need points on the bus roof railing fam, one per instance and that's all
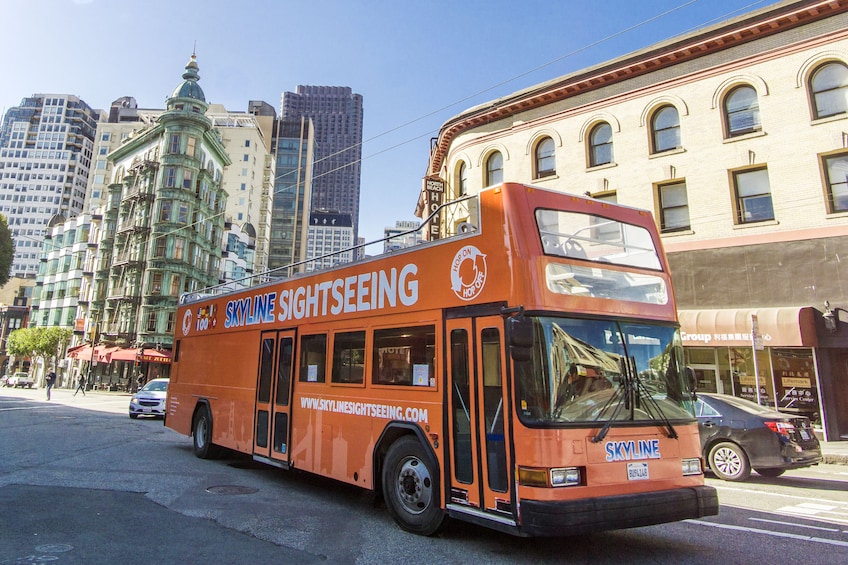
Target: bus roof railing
(269, 276)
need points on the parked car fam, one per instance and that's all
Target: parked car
(738, 435)
(150, 399)
(20, 380)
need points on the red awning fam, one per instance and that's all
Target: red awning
(155, 356)
(104, 354)
(127, 354)
(80, 352)
(148, 355)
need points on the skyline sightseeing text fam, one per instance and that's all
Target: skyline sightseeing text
(374, 290)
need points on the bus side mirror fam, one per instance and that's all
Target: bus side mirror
(690, 382)
(520, 338)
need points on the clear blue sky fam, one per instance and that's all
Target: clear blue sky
(416, 63)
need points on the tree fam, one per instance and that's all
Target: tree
(47, 343)
(52, 343)
(7, 250)
(21, 343)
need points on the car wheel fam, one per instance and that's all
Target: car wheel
(202, 433)
(133, 415)
(411, 489)
(729, 462)
(770, 472)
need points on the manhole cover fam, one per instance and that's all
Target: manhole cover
(54, 548)
(231, 489)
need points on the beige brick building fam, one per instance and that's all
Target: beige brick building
(736, 138)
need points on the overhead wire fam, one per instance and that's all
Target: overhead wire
(478, 93)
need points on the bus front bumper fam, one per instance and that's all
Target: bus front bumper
(548, 519)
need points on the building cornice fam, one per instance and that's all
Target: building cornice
(729, 34)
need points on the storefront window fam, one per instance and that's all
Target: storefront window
(796, 383)
(745, 384)
(702, 361)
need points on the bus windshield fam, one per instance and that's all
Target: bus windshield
(600, 242)
(588, 371)
(595, 238)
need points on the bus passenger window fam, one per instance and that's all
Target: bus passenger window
(349, 357)
(404, 356)
(313, 358)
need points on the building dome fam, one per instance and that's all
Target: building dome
(189, 87)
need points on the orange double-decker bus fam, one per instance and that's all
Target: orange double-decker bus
(523, 372)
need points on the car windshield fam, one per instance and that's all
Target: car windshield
(156, 386)
(587, 371)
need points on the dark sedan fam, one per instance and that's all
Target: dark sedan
(738, 435)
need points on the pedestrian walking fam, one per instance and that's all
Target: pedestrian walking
(50, 381)
(80, 385)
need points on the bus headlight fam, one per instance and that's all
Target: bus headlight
(567, 477)
(541, 477)
(692, 466)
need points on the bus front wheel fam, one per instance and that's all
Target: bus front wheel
(410, 488)
(202, 433)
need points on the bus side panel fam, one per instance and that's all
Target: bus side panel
(223, 372)
(335, 429)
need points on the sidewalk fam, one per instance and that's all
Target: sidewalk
(835, 452)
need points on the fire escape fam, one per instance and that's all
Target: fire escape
(126, 274)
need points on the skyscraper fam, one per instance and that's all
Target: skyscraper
(46, 147)
(293, 147)
(336, 113)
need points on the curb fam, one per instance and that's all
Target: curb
(834, 459)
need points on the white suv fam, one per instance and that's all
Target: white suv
(20, 380)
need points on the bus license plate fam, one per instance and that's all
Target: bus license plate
(637, 471)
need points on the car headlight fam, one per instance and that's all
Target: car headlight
(134, 399)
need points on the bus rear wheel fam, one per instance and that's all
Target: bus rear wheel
(410, 488)
(202, 432)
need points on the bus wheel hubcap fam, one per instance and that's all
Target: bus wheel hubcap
(414, 486)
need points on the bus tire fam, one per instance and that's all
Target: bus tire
(411, 488)
(201, 428)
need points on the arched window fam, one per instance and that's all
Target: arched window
(494, 169)
(836, 168)
(665, 129)
(545, 159)
(600, 140)
(829, 90)
(462, 179)
(742, 111)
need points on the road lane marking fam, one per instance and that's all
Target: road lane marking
(794, 525)
(765, 493)
(769, 533)
(27, 407)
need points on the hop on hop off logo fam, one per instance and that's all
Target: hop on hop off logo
(187, 321)
(206, 319)
(468, 272)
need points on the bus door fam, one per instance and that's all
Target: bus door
(273, 388)
(478, 417)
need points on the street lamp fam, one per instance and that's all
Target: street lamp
(831, 318)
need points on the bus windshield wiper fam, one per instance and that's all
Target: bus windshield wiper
(625, 400)
(651, 404)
